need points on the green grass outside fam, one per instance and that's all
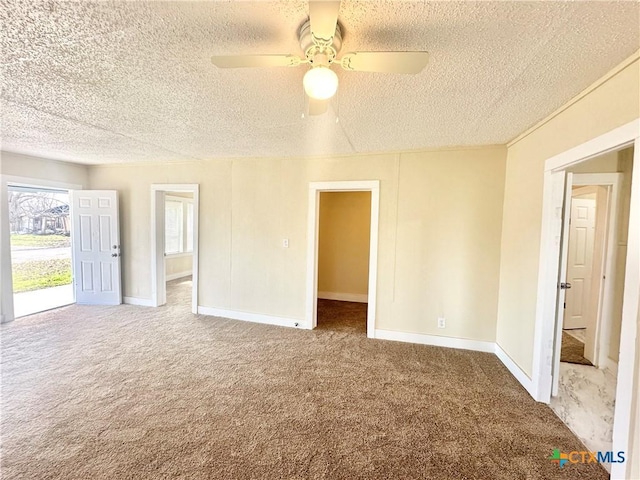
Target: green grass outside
(39, 274)
(40, 241)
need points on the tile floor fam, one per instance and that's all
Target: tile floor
(586, 403)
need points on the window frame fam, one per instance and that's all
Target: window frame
(185, 250)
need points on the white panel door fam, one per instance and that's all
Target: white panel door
(580, 261)
(96, 247)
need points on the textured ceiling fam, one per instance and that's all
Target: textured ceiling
(101, 82)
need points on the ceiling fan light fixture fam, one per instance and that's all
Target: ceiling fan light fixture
(320, 82)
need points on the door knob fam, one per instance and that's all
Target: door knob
(565, 286)
(114, 254)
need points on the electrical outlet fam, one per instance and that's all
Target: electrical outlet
(285, 243)
(441, 322)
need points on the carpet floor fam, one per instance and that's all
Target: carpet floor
(136, 392)
(572, 350)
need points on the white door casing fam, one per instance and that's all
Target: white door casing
(96, 247)
(315, 188)
(580, 261)
(158, 277)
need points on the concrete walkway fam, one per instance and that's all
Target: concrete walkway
(22, 255)
(26, 303)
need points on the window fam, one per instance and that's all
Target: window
(178, 227)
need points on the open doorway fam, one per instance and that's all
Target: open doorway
(594, 258)
(580, 271)
(343, 260)
(175, 245)
(40, 239)
(594, 252)
(178, 247)
(314, 290)
(552, 285)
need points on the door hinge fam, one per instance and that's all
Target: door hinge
(565, 305)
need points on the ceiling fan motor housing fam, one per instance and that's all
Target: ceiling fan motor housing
(319, 51)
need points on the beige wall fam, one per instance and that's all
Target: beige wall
(439, 237)
(343, 242)
(133, 183)
(612, 104)
(18, 165)
(625, 166)
(178, 265)
(607, 163)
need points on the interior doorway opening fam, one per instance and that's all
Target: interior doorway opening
(174, 244)
(40, 241)
(178, 246)
(316, 189)
(594, 252)
(591, 313)
(343, 260)
(552, 281)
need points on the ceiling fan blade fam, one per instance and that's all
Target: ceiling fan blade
(387, 62)
(240, 61)
(317, 107)
(323, 15)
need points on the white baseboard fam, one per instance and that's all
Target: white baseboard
(515, 370)
(175, 276)
(252, 317)
(435, 340)
(419, 338)
(345, 297)
(143, 302)
(611, 366)
(464, 344)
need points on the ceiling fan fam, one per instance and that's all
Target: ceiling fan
(320, 38)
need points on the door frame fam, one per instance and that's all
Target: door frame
(605, 295)
(545, 325)
(7, 313)
(608, 267)
(158, 281)
(313, 228)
